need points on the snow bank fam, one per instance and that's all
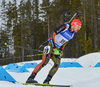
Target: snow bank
(89, 60)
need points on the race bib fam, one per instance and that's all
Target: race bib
(46, 49)
(63, 37)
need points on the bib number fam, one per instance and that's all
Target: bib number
(46, 49)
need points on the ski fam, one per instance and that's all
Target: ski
(49, 85)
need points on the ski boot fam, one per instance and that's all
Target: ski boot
(46, 81)
(31, 79)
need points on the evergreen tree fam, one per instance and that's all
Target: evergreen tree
(18, 28)
(6, 29)
(45, 7)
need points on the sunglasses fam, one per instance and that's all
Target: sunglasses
(78, 26)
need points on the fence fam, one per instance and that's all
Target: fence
(13, 54)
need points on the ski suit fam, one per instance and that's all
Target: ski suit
(53, 50)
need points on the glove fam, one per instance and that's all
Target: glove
(57, 52)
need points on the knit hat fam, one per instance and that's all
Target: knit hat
(76, 22)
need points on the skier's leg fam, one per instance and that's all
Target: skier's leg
(45, 60)
(38, 68)
(56, 59)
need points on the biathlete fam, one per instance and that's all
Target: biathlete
(54, 47)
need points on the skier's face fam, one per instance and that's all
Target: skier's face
(75, 28)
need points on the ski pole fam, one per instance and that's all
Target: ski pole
(34, 55)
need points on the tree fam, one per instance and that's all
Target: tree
(6, 29)
(45, 7)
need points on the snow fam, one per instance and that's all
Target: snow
(86, 76)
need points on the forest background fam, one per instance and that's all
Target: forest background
(25, 26)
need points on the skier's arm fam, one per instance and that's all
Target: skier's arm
(63, 46)
(60, 28)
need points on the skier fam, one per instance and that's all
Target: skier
(54, 47)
